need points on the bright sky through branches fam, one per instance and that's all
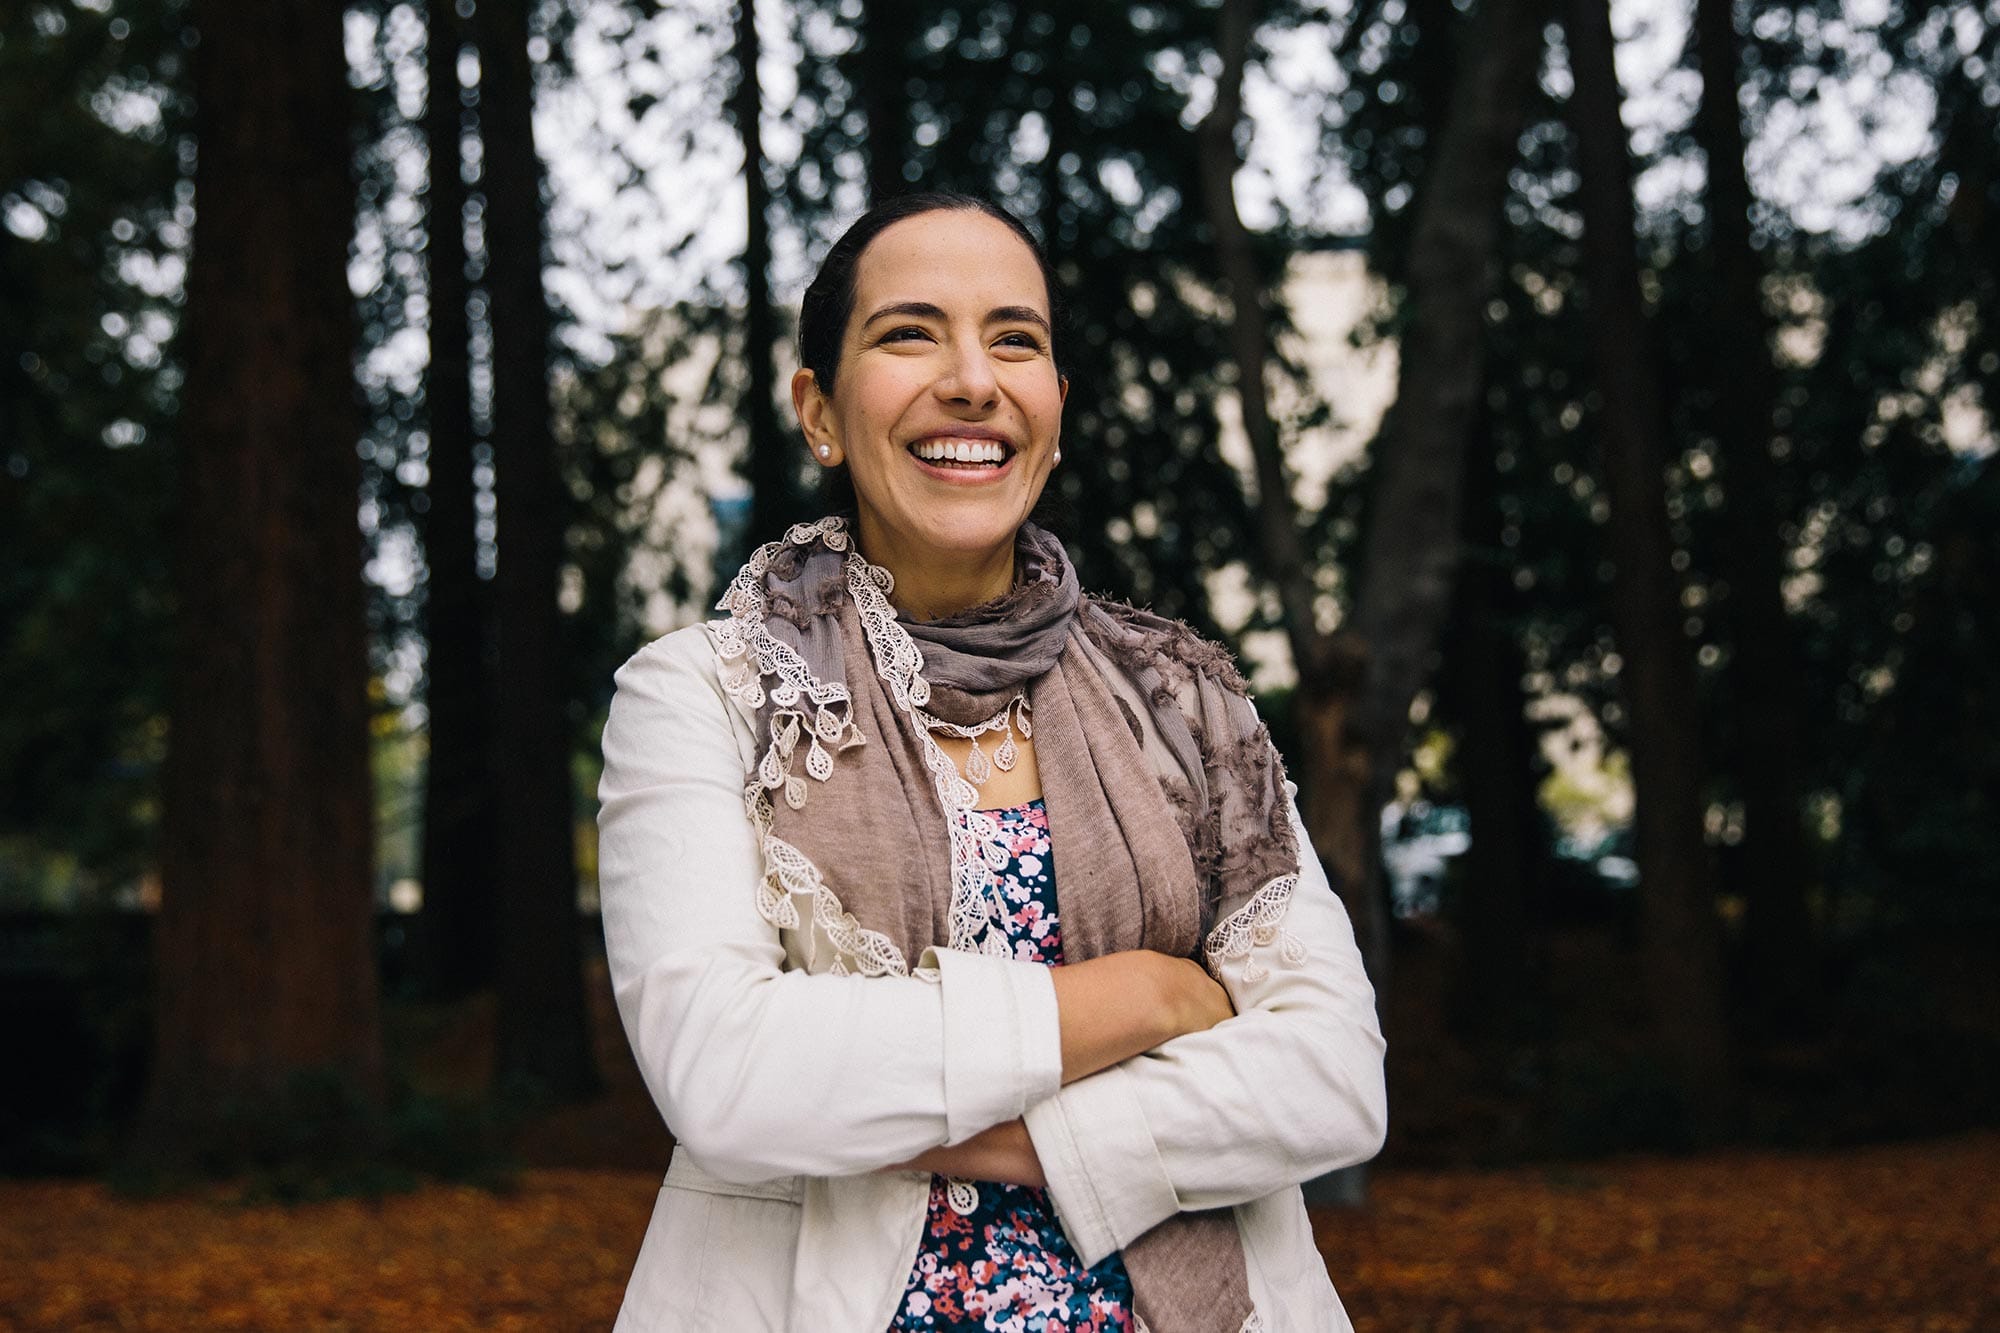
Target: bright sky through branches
(677, 234)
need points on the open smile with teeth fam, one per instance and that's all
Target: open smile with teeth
(968, 454)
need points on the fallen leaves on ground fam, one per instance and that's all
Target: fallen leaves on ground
(1888, 1238)
(1903, 1237)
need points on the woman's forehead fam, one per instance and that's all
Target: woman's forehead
(952, 258)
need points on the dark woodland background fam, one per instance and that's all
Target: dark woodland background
(1702, 473)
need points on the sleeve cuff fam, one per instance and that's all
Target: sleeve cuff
(1002, 1038)
(1104, 1172)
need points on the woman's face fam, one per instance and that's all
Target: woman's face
(946, 407)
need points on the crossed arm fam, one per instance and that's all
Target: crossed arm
(1123, 1083)
(1111, 1008)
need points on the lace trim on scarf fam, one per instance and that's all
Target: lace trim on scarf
(749, 653)
(977, 846)
(1258, 922)
(789, 874)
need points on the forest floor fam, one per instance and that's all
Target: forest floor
(1882, 1238)
(1894, 1236)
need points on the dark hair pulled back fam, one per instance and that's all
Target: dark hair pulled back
(828, 305)
(829, 302)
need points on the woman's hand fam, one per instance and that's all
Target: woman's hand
(1119, 1005)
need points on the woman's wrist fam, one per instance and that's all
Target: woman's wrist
(1119, 1005)
(1003, 1153)
(1193, 1000)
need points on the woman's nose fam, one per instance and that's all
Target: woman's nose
(968, 378)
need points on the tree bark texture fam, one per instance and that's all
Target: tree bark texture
(1355, 688)
(1764, 665)
(544, 1041)
(1501, 910)
(1411, 551)
(266, 965)
(776, 502)
(1329, 666)
(1682, 963)
(883, 24)
(456, 930)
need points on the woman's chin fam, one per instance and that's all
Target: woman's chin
(948, 529)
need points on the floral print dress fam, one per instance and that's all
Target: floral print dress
(993, 1256)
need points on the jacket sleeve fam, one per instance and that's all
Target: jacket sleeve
(1288, 1089)
(760, 1071)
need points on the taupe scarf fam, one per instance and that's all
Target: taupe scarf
(1164, 795)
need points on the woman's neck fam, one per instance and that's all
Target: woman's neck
(931, 585)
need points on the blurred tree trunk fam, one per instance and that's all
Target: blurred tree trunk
(266, 946)
(456, 930)
(1500, 911)
(544, 1038)
(1765, 666)
(876, 73)
(1355, 731)
(1683, 968)
(1355, 687)
(1411, 552)
(776, 502)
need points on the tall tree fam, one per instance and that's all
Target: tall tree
(1500, 908)
(1410, 557)
(266, 954)
(1764, 667)
(543, 1030)
(1682, 961)
(86, 402)
(1355, 689)
(460, 832)
(873, 67)
(773, 457)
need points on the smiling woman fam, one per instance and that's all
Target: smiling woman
(911, 1085)
(949, 411)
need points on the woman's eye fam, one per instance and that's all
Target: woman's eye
(1027, 340)
(904, 334)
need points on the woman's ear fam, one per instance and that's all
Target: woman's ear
(1062, 388)
(816, 419)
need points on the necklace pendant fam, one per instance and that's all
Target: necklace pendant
(977, 767)
(1005, 756)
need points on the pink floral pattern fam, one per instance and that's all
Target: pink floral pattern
(1006, 1266)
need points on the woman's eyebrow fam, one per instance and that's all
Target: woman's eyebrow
(1004, 314)
(1021, 314)
(911, 309)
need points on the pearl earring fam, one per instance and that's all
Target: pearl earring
(1058, 457)
(826, 451)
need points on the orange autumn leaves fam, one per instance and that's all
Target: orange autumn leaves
(1904, 1237)
(1890, 1238)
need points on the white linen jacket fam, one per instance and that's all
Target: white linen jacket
(788, 1091)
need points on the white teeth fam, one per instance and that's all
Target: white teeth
(960, 451)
